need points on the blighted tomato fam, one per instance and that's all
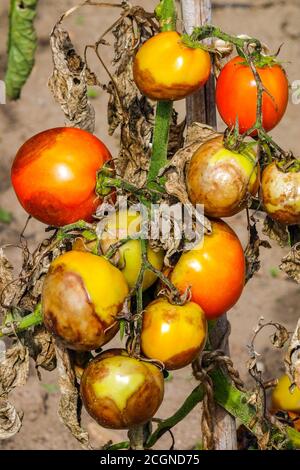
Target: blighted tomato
(173, 334)
(165, 69)
(82, 294)
(121, 392)
(214, 271)
(221, 179)
(54, 175)
(121, 225)
(283, 399)
(281, 194)
(236, 94)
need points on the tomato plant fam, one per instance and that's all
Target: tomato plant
(54, 175)
(281, 194)
(214, 271)
(166, 69)
(82, 294)
(221, 179)
(119, 391)
(127, 224)
(236, 94)
(173, 334)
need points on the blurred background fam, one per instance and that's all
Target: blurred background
(269, 294)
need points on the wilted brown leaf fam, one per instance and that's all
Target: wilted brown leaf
(41, 348)
(10, 420)
(14, 369)
(69, 81)
(290, 264)
(292, 357)
(7, 288)
(276, 231)
(252, 252)
(70, 402)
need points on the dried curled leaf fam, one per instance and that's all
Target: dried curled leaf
(69, 81)
(292, 358)
(7, 288)
(290, 264)
(14, 369)
(41, 348)
(70, 402)
(252, 252)
(276, 231)
(10, 420)
(127, 108)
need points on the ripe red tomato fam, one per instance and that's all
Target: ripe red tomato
(220, 179)
(54, 175)
(281, 194)
(236, 94)
(166, 69)
(214, 271)
(121, 392)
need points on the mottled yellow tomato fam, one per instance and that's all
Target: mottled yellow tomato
(81, 296)
(283, 399)
(281, 194)
(121, 225)
(165, 69)
(119, 391)
(220, 179)
(214, 271)
(173, 334)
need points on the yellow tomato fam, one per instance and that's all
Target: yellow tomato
(121, 225)
(82, 294)
(119, 391)
(173, 334)
(166, 69)
(283, 399)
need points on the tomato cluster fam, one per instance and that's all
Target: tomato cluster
(54, 176)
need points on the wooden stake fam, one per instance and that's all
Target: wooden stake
(201, 107)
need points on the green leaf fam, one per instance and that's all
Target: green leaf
(22, 43)
(5, 216)
(122, 329)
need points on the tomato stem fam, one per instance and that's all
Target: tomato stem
(11, 326)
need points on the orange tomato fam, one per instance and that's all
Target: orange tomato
(54, 175)
(214, 271)
(165, 69)
(236, 94)
(173, 334)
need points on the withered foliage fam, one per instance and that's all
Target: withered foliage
(276, 231)
(252, 251)
(69, 81)
(290, 264)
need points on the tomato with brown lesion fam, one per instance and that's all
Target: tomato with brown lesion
(121, 392)
(222, 179)
(81, 297)
(173, 334)
(281, 194)
(166, 69)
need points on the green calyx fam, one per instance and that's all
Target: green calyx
(289, 166)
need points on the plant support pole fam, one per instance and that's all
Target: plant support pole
(201, 107)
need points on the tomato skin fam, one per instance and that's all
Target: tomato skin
(119, 226)
(54, 175)
(215, 272)
(281, 194)
(220, 179)
(166, 69)
(82, 294)
(283, 399)
(119, 391)
(173, 334)
(236, 95)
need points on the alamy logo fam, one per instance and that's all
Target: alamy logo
(2, 92)
(296, 92)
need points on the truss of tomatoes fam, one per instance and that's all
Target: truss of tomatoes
(54, 177)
